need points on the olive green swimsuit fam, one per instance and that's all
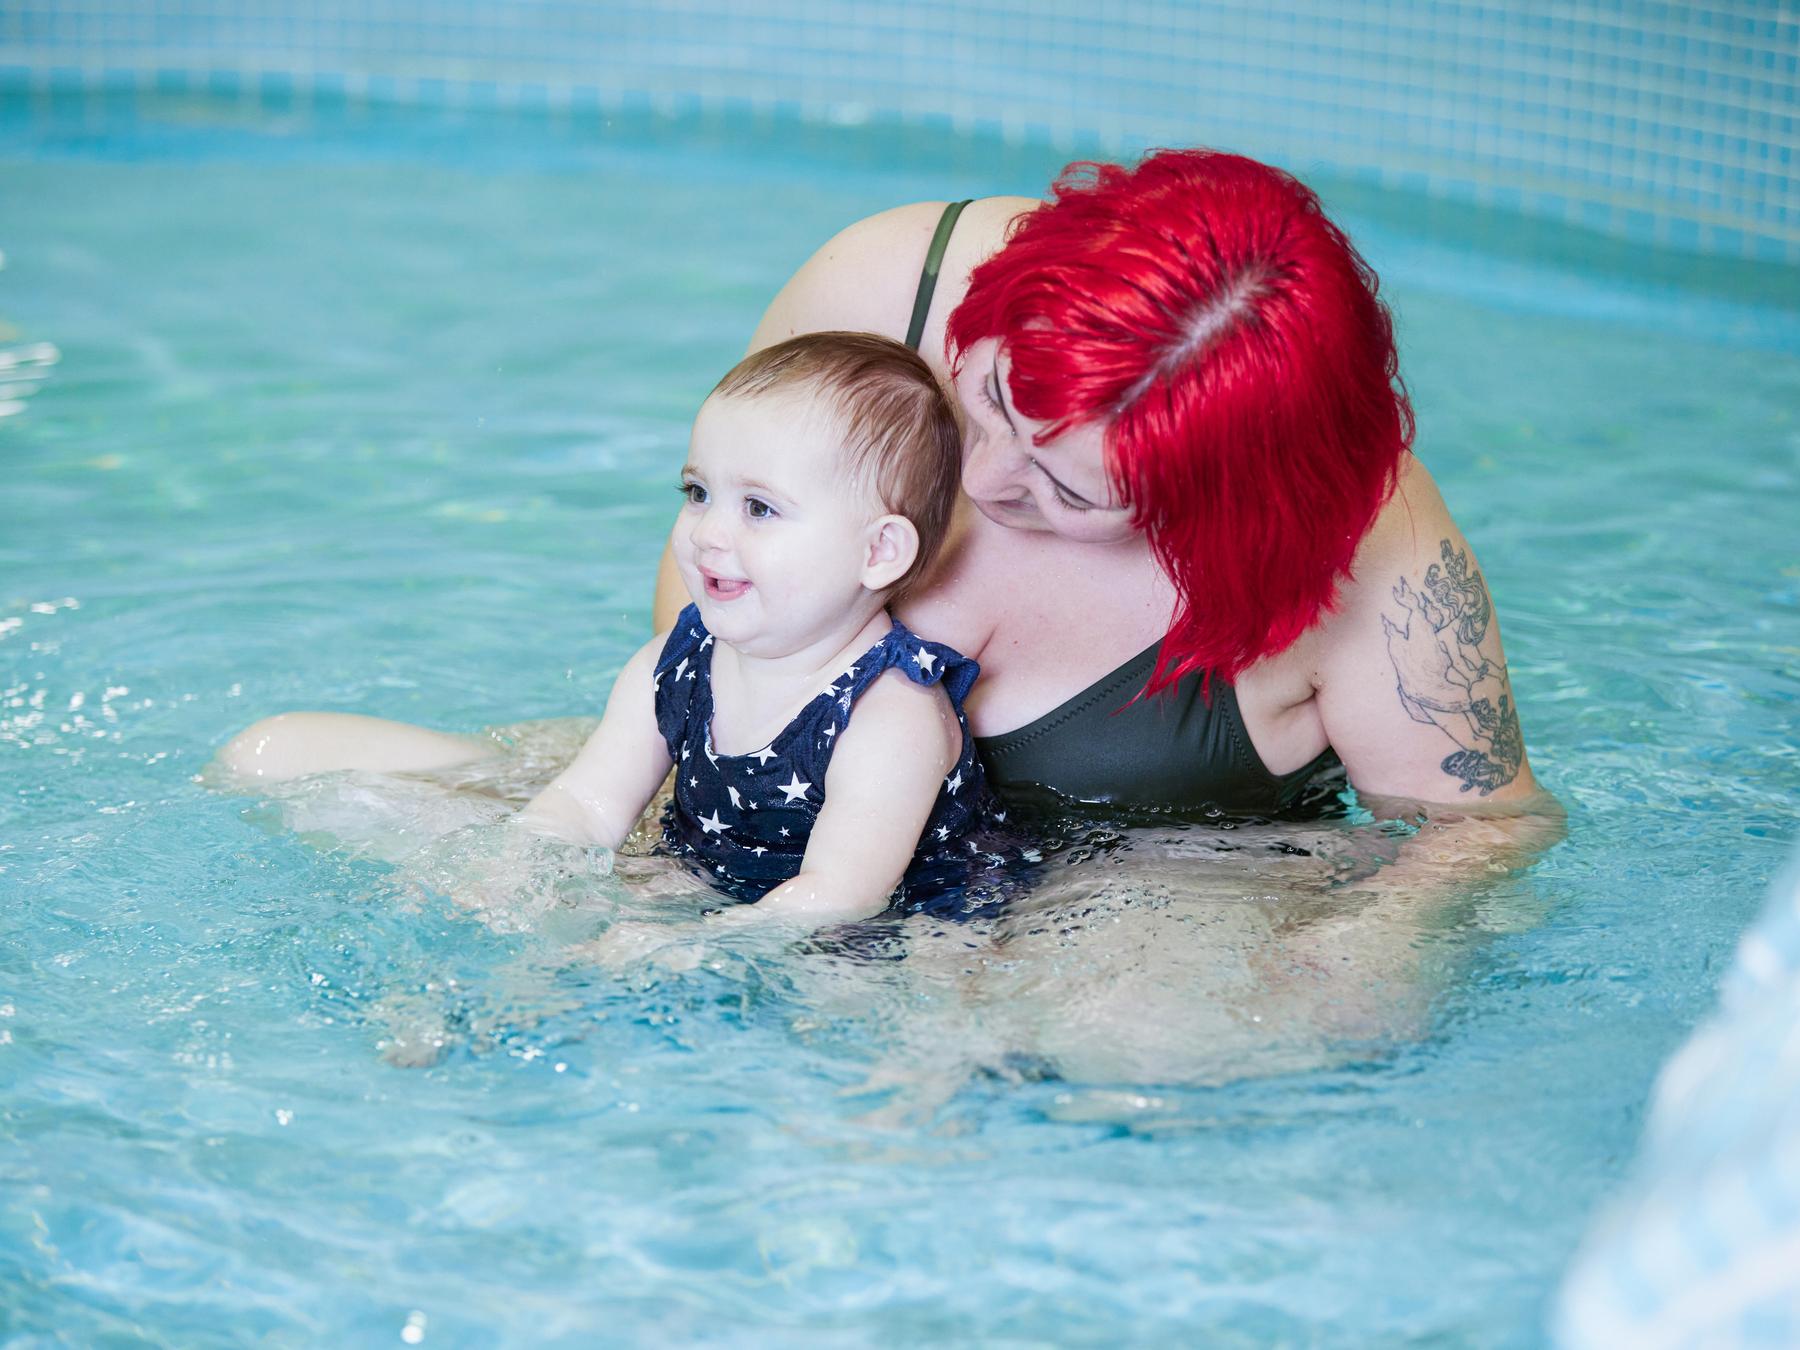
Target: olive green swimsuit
(1178, 749)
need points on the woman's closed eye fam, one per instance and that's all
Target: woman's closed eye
(1064, 498)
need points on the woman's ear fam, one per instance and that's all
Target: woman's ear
(893, 544)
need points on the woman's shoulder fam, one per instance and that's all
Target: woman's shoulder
(864, 277)
(1408, 527)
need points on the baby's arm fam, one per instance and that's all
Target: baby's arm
(883, 781)
(599, 797)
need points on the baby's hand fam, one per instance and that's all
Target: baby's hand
(506, 874)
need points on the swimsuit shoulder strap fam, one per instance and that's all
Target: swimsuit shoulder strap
(684, 679)
(686, 640)
(922, 662)
(934, 259)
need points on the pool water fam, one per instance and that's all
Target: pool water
(380, 412)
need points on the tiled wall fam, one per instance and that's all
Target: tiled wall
(1667, 123)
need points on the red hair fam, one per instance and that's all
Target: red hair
(1228, 335)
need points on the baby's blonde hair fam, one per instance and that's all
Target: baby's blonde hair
(900, 429)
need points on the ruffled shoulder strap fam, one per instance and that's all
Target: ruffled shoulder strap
(921, 661)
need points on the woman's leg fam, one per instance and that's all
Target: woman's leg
(292, 745)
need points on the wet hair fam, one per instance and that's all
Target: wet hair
(1203, 309)
(901, 436)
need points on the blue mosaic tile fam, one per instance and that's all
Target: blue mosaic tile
(1595, 101)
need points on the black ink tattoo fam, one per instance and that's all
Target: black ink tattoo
(1447, 680)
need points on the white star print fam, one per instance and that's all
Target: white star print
(734, 796)
(693, 782)
(831, 690)
(681, 668)
(686, 750)
(707, 642)
(1000, 816)
(954, 782)
(706, 745)
(759, 850)
(764, 755)
(794, 790)
(925, 660)
(784, 832)
(943, 832)
(831, 731)
(714, 825)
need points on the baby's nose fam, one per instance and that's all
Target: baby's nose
(712, 530)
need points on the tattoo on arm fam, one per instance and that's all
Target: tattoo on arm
(1450, 674)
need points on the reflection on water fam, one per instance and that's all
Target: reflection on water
(23, 368)
(1145, 952)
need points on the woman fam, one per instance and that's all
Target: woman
(1196, 559)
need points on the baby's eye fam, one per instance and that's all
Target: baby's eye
(694, 493)
(757, 509)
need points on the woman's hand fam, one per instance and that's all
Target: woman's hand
(633, 942)
(686, 943)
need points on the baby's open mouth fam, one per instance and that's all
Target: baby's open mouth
(721, 588)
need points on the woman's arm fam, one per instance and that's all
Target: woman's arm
(599, 797)
(1413, 688)
(1414, 694)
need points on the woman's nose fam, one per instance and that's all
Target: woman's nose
(991, 465)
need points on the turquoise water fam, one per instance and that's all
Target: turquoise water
(379, 412)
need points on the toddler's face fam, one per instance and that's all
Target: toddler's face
(773, 540)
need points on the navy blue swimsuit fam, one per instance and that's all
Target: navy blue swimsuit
(745, 819)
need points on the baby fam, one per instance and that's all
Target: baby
(820, 748)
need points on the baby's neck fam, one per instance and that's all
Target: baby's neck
(754, 697)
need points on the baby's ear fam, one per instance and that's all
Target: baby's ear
(893, 544)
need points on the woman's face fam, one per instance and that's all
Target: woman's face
(1060, 487)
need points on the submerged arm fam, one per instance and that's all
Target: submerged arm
(1415, 696)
